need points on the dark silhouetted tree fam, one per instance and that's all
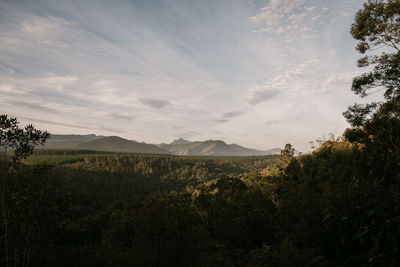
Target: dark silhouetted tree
(22, 141)
(377, 125)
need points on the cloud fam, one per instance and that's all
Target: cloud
(261, 94)
(177, 127)
(317, 17)
(232, 114)
(34, 106)
(271, 122)
(40, 27)
(59, 123)
(288, 20)
(6, 88)
(296, 80)
(110, 129)
(59, 82)
(188, 134)
(221, 120)
(154, 102)
(346, 12)
(120, 117)
(102, 84)
(227, 116)
(75, 126)
(276, 11)
(342, 79)
(9, 43)
(7, 69)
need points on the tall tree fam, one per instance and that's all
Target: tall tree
(8, 130)
(377, 125)
(22, 141)
(376, 128)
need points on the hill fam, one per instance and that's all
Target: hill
(214, 148)
(118, 144)
(68, 140)
(177, 147)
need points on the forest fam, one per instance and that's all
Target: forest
(338, 205)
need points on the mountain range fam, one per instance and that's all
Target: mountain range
(177, 147)
(214, 148)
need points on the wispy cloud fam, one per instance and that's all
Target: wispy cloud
(72, 126)
(277, 11)
(232, 114)
(34, 106)
(261, 94)
(10, 89)
(271, 122)
(155, 103)
(286, 19)
(6, 69)
(297, 79)
(76, 126)
(221, 120)
(120, 117)
(220, 72)
(42, 27)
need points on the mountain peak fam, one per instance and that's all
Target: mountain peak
(180, 141)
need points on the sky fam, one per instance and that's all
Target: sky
(256, 73)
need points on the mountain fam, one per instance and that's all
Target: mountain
(68, 140)
(177, 147)
(213, 148)
(255, 152)
(180, 141)
(118, 144)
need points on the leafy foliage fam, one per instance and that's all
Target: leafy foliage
(377, 26)
(21, 140)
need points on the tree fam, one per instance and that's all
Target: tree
(8, 129)
(376, 127)
(377, 124)
(376, 26)
(287, 155)
(288, 151)
(22, 140)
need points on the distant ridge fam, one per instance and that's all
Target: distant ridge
(118, 144)
(69, 140)
(214, 148)
(179, 146)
